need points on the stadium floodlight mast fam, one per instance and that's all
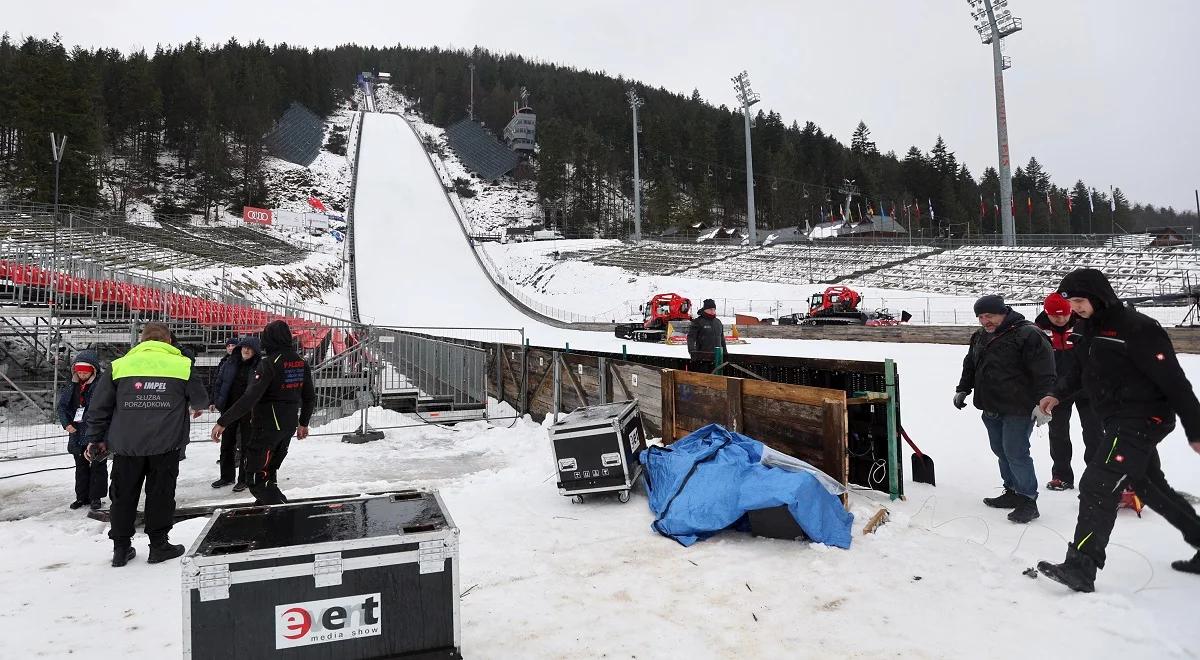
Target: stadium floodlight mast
(992, 28)
(634, 104)
(747, 97)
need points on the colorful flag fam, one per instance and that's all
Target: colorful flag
(996, 205)
(932, 216)
(1070, 206)
(917, 206)
(1049, 205)
(1092, 201)
(842, 212)
(1112, 200)
(1029, 205)
(982, 207)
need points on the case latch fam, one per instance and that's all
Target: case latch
(432, 555)
(327, 569)
(211, 581)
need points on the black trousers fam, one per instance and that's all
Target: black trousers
(261, 458)
(1060, 438)
(91, 479)
(159, 473)
(1128, 455)
(230, 440)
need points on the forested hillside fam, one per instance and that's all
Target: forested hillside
(207, 108)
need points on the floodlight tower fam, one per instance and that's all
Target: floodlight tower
(634, 104)
(992, 29)
(747, 97)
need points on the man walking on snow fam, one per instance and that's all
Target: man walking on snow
(1058, 322)
(1136, 387)
(1010, 367)
(280, 400)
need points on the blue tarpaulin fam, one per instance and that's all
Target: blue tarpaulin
(707, 482)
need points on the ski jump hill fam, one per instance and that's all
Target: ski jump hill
(415, 265)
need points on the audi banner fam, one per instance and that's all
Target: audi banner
(256, 215)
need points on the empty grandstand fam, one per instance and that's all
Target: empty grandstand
(297, 136)
(479, 150)
(111, 242)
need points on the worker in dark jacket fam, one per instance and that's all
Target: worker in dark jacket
(220, 375)
(280, 401)
(1137, 388)
(1058, 322)
(241, 369)
(1010, 367)
(91, 477)
(705, 335)
(139, 412)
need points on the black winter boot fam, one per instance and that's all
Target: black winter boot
(1026, 511)
(122, 553)
(78, 503)
(1078, 571)
(1009, 500)
(1188, 565)
(163, 550)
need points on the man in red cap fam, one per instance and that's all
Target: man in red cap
(1058, 322)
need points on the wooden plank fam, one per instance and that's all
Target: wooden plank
(802, 394)
(837, 461)
(711, 381)
(704, 403)
(733, 405)
(668, 405)
(578, 388)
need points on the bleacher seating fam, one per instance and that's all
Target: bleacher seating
(122, 245)
(795, 263)
(479, 150)
(655, 258)
(1027, 273)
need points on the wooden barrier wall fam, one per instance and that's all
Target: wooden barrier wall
(808, 423)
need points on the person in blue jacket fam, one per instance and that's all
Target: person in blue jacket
(91, 476)
(231, 384)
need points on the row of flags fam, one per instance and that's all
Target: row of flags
(912, 210)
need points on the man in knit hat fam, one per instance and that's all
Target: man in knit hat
(1010, 367)
(1136, 387)
(1058, 323)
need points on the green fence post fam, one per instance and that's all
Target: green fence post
(718, 359)
(889, 381)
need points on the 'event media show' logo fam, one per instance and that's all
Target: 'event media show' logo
(329, 620)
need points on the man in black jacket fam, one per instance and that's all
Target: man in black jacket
(280, 401)
(139, 413)
(1058, 323)
(1136, 386)
(705, 335)
(1010, 367)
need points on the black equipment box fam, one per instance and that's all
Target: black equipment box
(596, 449)
(347, 577)
(776, 523)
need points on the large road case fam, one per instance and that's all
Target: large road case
(596, 450)
(353, 577)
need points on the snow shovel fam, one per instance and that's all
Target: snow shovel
(922, 464)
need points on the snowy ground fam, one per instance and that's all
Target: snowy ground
(549, 579)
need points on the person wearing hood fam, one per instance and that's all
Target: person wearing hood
(1010, 367)
(91, 476)
(279, 401)
(705, 335)
(1057, 321)
(240, 370)
(1129, 372)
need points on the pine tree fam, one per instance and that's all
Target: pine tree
(860, 142)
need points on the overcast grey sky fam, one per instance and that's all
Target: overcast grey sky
(1104, 90)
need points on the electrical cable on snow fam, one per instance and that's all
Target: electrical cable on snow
(25, 474)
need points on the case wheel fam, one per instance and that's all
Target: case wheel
(577, 499)
(623, 496)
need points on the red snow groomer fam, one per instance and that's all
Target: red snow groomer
(839, 305)
(662, 309)
(666, 318)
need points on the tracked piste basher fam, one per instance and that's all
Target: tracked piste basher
(666, 319)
